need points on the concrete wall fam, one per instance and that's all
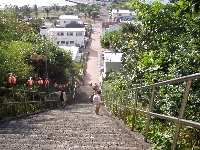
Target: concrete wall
(112, 65)
(67, 21)
(77, 39)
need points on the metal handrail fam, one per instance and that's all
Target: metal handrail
(178, 120)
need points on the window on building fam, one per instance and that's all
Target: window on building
(67, 42)
(69, 33)
(60, 33)
(79, 34)
(58, 42)
(62, 42)
(64, 21)
(73, 22)
(71, 42)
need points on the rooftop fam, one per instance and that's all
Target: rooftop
(74, 25)
(73, 49)
(123, 12)
(64, 17)
(66, 29)
(106, 24)
(112, 57)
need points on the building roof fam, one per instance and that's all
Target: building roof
(106, 24)
(66, 29)
(74, 25)
(123, 12)
(112, 57)
(66, 17)
(73, 50)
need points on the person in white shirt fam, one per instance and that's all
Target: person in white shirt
(97, 101)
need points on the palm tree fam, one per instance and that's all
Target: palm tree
(47, 10)
(26, 10)
(35, 10)
(129, 28)
(17, 9)
(64, 8)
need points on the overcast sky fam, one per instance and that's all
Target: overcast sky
(43, 2)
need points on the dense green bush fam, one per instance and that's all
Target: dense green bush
(163, 45)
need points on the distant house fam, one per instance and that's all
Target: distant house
(67, 19)
(110, 26)
(98, 2)
(43, 31)
(107, 24)
(67, 36)
(115, 27)
(120, 13)
(75, 52)
(112, 61)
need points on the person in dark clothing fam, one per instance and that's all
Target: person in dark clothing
(91, 97)
(62, 97)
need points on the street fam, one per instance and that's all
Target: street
(104, 12)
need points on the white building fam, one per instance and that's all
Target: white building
(67, 36)
(67, 19)
(74, 52)
(112, 61)
(121, 13)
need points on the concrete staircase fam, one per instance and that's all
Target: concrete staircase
(84, 94)
(71, 128)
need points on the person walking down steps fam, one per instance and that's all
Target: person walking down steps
(97, 101)
(95, 88)
(91, 98)
(62, 97)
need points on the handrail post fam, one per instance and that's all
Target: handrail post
(181, 113)
(148, 115)
(25, 104)
(116, 105)
(134, 111)
(13, 99)
(40, 101)
(110, 102)
(45, 99)
(126, 103)
(34, 102)
(113, 104)
(120, 104)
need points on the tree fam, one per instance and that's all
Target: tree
(35, 10)
(47, 10)
(162, 46)
(64, 8)
(26, 10)
(194, 3)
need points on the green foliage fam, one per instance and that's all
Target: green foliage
(162, 45)
(22, 53)
(89, 10)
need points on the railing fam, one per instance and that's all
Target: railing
(110, 102)
(15, 102)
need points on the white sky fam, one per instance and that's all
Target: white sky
(43, 2)
(33, 2)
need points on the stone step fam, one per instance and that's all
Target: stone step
(52, 146)
(67, 142)
(73, 127)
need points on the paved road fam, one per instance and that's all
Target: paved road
(93, 64)
(104, 12)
